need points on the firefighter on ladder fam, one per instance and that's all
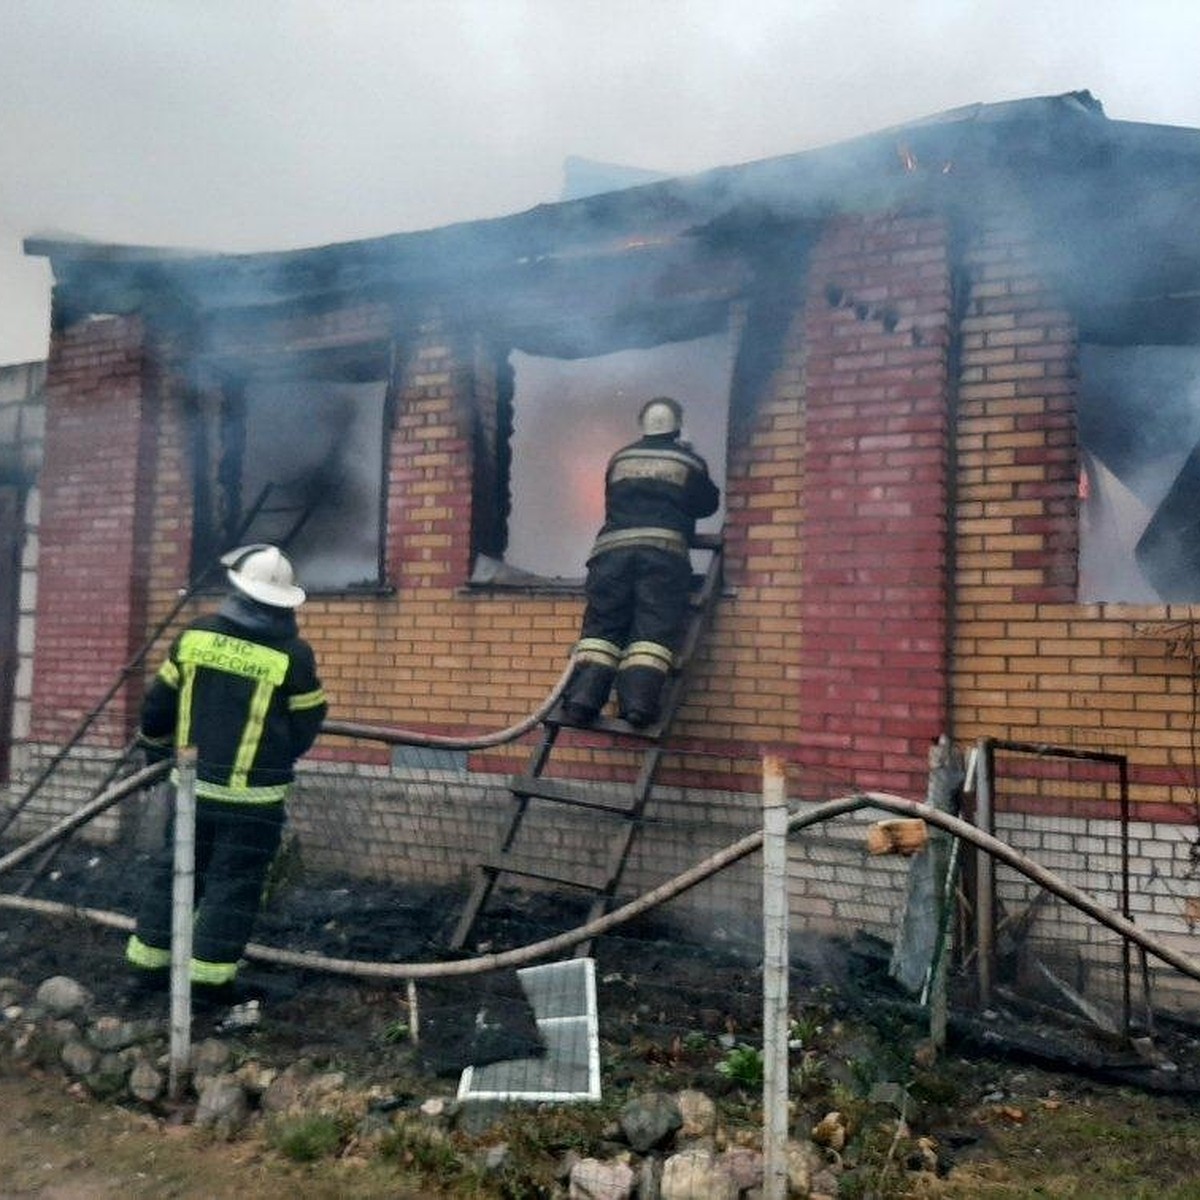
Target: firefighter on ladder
(639, 571)
(241, 686)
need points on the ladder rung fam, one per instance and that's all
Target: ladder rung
(703, 593)
(538, 868)
(650, 733)
(602, 724)
(561, 792)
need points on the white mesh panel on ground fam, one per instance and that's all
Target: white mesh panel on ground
(563, 998)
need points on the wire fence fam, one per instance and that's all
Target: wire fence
(374, 868)
(352, 961)
(1070, 810)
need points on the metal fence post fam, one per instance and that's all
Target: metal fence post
(985, 874)
(775, 980)
(182, 897)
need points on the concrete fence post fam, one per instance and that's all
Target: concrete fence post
(182, 898)
(775, 980)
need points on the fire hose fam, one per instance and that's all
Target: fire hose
(673, 887)
(127, 671)
(413, 737)
(106, 799)
(406, 737)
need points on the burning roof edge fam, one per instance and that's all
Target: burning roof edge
(904, 164)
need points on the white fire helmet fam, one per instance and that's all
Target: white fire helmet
(264, 574)
(661, 415)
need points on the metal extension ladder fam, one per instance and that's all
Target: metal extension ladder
(514, 856)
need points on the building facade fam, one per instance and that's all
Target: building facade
(927, 367)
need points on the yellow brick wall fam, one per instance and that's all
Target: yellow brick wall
(438, 656)
(745, 686)
(1030, 664)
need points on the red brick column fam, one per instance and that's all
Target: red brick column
(91, 565)
(873, 611)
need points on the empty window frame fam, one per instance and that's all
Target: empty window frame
(292, 451)
(1139, 432)
(568, 417)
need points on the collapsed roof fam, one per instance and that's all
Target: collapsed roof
(1110, 202)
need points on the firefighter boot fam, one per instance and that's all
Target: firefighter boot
(639, 692)
(587, 692)
(643, 671)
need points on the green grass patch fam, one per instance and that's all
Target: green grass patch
(307, 1138)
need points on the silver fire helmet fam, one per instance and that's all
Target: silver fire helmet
(264, 574)
(661, 415)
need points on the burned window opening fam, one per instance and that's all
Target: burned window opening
(290, 450)
(563, 418)
(1139, 434)
(766, 314)
(586, 337)
(491, 444)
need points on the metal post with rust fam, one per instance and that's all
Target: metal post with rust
(985, 874)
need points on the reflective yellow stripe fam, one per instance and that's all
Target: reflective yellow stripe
(149, 957)
(659, 539)
(233, 655)
(647, 654)
(669, 466)
(246, 660)
(597, 650)
(168, 673)
(251, 734)
(306, 700)
(271, 794)
(208, 972)
(183, 722)
(138, 954)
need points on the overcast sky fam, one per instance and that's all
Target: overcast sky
(266, 124)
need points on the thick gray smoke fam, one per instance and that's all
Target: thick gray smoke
(235, 127)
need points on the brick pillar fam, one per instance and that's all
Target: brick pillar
(91, 566)
(873, 611)
(429, 487)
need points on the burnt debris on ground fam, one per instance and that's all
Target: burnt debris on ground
(656, 987)
(649, 978)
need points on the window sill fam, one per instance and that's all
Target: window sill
(495, 575)
(539, 587)
(382, 590)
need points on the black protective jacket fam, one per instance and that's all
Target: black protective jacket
(655, 489)
(240, 686)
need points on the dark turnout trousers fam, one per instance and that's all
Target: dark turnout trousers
(235, 843)
(637, 598)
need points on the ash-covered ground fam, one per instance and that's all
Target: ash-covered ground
(653, 985)
(661, 995)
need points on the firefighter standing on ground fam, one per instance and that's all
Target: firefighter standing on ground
(241, 686)
(639, 570)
